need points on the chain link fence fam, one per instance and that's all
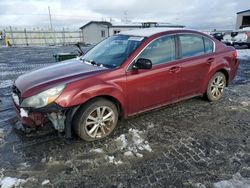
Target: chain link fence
(42, 37)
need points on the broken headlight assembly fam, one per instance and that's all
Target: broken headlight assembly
(44, 98)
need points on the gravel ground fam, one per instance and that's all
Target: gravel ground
(189, 144)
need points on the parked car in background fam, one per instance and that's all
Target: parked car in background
(240, 38)
(125, 74)
(217, 35)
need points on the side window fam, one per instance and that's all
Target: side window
(191, 45)
(209, 45)
(160, 51)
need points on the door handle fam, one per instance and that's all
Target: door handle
(174, 69)
(210, 60)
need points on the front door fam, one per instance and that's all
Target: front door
(150, 88)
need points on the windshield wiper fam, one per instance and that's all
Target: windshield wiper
(92, 62)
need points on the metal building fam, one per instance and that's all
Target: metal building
(95, 31)
(243, 19)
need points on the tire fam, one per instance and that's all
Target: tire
(248, 46)
(90, 126)
(216, 87)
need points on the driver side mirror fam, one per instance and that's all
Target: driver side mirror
(142, 64)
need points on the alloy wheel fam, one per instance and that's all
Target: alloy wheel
(217, 86)
(100, 122)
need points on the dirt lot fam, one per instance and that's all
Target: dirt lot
(190, 144)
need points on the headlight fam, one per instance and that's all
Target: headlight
(44, 98)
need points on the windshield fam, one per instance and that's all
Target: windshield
(112, 51)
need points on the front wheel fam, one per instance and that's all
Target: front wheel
(216, 87)
(96, 120)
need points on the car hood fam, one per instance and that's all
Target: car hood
(61, 73)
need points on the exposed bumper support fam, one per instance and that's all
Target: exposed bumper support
(58, 120)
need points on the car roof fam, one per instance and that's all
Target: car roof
(148, 32)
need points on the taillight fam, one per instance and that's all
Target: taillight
(235, 54)
(248, 34)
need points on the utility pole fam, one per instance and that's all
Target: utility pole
(126, 16)
(51, 27)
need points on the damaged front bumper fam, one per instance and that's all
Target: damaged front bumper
(61, 118)
(31, 118)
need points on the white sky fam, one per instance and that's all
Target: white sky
(202, 14)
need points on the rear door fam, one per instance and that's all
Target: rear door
(195, 59)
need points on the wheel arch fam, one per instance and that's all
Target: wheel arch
(113, 99)
(212, 73)
(225, 72)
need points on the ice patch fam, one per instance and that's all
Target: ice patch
(6, 83)
(23, 113)
(9, 182)
(236, 181)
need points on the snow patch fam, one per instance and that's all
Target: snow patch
(1, 132)
(128, 153)
(245, 103)
(8, 73)
(236, 181)
(25, 165)
(45, 182)
(23, 113)
(243, 54)
(112, 159)
(97, 150)
(9, 182)
(132, 143)
(1, 136)
(6, 83)
(122, 141)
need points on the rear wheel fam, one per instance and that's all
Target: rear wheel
(96, 120)
(216, 87)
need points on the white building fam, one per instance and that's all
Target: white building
(243, 19)
(95, 31)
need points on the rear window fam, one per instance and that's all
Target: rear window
(209, 45)
(191, 45)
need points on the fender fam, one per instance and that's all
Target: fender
(80, 96)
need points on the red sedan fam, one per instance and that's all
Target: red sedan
(124, 75)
